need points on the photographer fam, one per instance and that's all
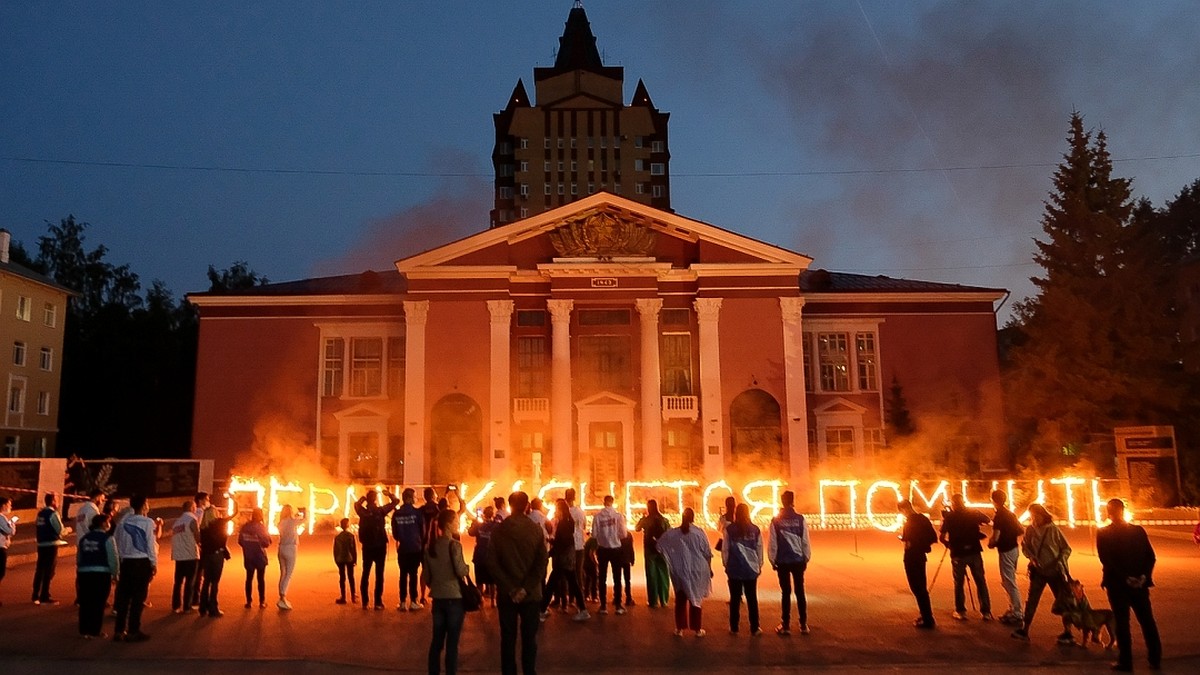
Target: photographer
(960, 533)
(372, 532)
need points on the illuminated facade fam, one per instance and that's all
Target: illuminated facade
(603, 341)
(580, 138)
(33, 310)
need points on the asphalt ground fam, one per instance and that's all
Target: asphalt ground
(860, 612)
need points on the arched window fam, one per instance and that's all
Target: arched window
(456, 450)
(756, 438)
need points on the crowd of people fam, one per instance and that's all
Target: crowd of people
(516, 541)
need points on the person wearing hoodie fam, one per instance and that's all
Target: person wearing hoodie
(408, 529)
(789, 553)
(742, 556)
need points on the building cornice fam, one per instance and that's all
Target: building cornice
(940, 296)
(292, 300)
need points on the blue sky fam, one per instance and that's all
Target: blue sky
(911, 139)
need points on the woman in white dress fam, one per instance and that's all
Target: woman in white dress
(689, 558)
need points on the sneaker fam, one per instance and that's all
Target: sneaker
(620, 610)
(987, 616)
(177, 611)
(733, 631)
(756, 632)
(36, 601)
(1066, 638)
(583, 615)
(923, 624)
(678, 632)
(804, 629)
(782, 630)
(248, 605)
(379, 606)
(339, 601)
(262, 604)
(542, 616)
(283, 604)
(416, 607)
(959, 616)
(403, 607)
(217, 614)
(119, 636)
(701, 633)
(1020, 634)
(603, 609)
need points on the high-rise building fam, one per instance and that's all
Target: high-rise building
(579, 138)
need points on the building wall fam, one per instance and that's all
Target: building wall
(30, 431)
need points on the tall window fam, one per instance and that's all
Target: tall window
(43, 403)
(18, 353)
(676, 364)
(24, 307)
(865, 361)
(874, 441)
(335, 367)
(366, 366)
(839, 442)
(531, 367)
(833, 354)
(604, 360)
(806, 348)
(396, 346)
(47, 359)
(16, 398)
(50, 317)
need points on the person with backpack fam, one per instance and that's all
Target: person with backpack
(919, 537)
(961, 535)
(372, 533)
(789, 552)
(408, 529)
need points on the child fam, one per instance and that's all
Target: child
(345, 554)
(591, 569)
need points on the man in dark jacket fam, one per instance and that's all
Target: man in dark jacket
(960, 534)
(408, 528)
(1128, 560)
(372, 532)
(918, 537)
(1006, 530)
(517, 561)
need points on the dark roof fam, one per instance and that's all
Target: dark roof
(387, 282)
(577, 50)
(26, 273)
(843, 282)
(641, 96)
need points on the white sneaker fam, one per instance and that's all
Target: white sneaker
(583, 615)
(415, 607)
(283, 604)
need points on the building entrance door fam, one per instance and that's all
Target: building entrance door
(606, 452)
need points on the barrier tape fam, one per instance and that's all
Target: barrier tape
(5, 488)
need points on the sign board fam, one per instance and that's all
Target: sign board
(1148, 464)
(154, 478)
(19, 482)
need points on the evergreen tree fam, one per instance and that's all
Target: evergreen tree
(896, 415)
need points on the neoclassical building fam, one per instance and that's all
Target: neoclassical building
(603, 341)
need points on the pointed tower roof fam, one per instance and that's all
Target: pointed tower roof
(577, 49)
(641, 96)
(518, 98)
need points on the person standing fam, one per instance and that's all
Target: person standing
(96, 562)
(345, 556)
(408, 530)
(652, 526)
(580, 519)
(254, 539)
(742, 557)
(562, 553)
(689, 560)
(185, 553)
(429, 515)
(8, 529)
(372, 534)
(202, 503)
(289, 543)
(88, 510)
(517, 560)
(137, 548)
(1047, 550)
(919, 537)
(482, 529)
(1006, 530)
(960, 533)
(48, 529)
(214, 551)
(1127, 559)
(442, 568)
(789, 552)
(609, 527)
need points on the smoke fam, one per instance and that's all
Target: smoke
(458, 206)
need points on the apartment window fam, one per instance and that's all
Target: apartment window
(16, 397)
(524, 143)
(43, 406)
(656, 146)
(833, 357)
(675, 317)
(546, 144)
(561, 165)
(524, 212)
(562, 189)
(18, 353)
(524, 189)
(657, 168)
(603, 317)
(656, 190)
(574, 189)
(638, 141)
(24, 307)
(616, 141)
(524, 166)
(604, 141)
(366, 366)
(396, 356)
(676, 357)
(506, 170)
(591, 165)
(574, 165)
(532, 381)
(335, 367)
(546, 166)
(505, 192)
(640, 188)
(560, 144)
(639, 165)
(572, 143)
(605, 361)
(11, 446)
(545, 188)
(47, 359)
(506, 148)
(41, 447)
(50, 317)
(591, 188)
(865, 361)
(839, 442)
(616, 188)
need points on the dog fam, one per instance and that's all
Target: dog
(1078, 612)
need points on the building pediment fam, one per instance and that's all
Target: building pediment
(839, 405)
(606, 399)
(362, 410)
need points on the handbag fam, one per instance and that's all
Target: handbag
(472, 597)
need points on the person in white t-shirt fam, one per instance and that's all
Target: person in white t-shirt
(185, 552)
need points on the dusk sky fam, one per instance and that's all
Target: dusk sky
(912, 139)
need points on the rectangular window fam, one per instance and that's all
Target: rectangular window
(524, 212)
(545, 188)
(524, 143)
(676, 364)
(656, 191)
(43, 403)
(839, 442)
(335, 356)
(506, 148)
(806, 348)
(532, 379)
(531, 317)
(560, 166)
(505, 192)
(16, 397)
(11, 446)
(833, 356)
(572, 143)
(18, 353)
(524, 167)
(524, 189)
(638, 141)
(616, 141)
(591, 142)
(574, 188)
(603, 317)
(546, 144)
(24, 307)
(506, 170)
(873, 442)
(616, 188)
(562, 189)
(560, 144)
(676, 317)
(604, 361)
(591, 188)
(574, 165)
(656, 146)
(639, 165)
(865, 361)
(50, 318)
(366, 366)
(47, 359)
(604, 141)
(546, 166)
(657, 168)
(396, 346)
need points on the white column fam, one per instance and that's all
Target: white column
(415, 315)
(560, 389)
(796, 408)
(501, 403)
(651, 468)
(708, 310)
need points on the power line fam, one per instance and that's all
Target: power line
(471, 174)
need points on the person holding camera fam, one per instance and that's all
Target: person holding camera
(289, 542)
(919, 537)
(372, 533)
(960, 533)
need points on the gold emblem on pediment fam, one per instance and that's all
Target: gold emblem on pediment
(602, 235)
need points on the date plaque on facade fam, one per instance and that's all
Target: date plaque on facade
(604, 282)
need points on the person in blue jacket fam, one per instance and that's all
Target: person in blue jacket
(96, 556)
(789, 552)
(408, 529)
(742, 553)
(48, 529)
